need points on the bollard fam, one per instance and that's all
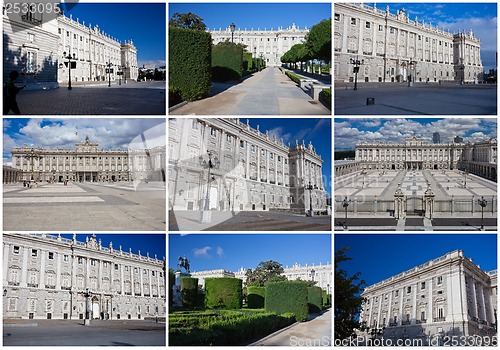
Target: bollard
(370, 101)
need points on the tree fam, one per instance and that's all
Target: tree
(187, 21)
(319, 40)
(266, 271)
(347, 298)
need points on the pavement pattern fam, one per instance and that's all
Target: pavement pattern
(74, 333)
(314, 332)
(268, 92)
(418, 100)
(85, 206)
(145, 98)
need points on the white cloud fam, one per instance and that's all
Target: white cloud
(202, 252)
(220, 252)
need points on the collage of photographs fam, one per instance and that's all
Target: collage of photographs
(253, 181)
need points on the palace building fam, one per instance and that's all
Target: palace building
(50, 277)
(38, 46)
(247, 169)
(321, 274)
(478, 158)
(268, 44)
(88, 163)
(393, 48)
(444, 297)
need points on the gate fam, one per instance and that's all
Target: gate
(415, 206)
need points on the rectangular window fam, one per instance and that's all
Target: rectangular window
(422, 316)
(380, 27)
(440, 280)
(31, 62)
(391, 31)
(30, 37)
(422, 285)
(353, 21)
(242, 144)
(213, 132)
(92, 262)
(253, 148)
(408, 289)
(51, 256)
(16, 249)
(34, 253)
(116, 267)
(80, 260)
(367, 25)
(396, 293)
(126, 268)
(65, 258)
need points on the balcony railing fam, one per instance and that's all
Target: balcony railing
(65, 288)
(48, 286)
(33, 285)
(13, 283)
(393, 324)
(421, 321)
(439, 319)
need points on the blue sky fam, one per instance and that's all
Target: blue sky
(380, 256)
(315, 130)
(479, 16)
(347, 132)
(110, 133)
(145, 242)
(255, 15)
(233, 251)
(144, 23)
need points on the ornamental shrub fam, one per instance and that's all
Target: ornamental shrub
(293, 77)
(248, 67)
(314, 299)
(189, 291)
(189, 62)
(327, 299)
(223, 293)
(227, 62)
(325, 97)
(255, 297)
(287, 296)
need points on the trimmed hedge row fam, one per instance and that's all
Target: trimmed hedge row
(288, 296)
(293, 76)
(224, 327)
(189, 62)
(325, 96)
(227, 62)
(189, 291)
(171, 283)
(256, 296)
(223, 293)
(315, 299)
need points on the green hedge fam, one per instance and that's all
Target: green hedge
(315, 299)
(327, 299)
(235, 327)
(288, 296)
(227, 62)
(325, 96)
(256, 297)
(248, 67)
(189, 291)
(259, 64)
(223, 293)
(189, 62)
(293, 76)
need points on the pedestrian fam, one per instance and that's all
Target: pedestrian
(10, 92)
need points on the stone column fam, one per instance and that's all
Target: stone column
(132, 279)
(389, 312)
(58, 270)
(414, 303)
(473, 297)
(142, 287)
(99, 275)
(482, 314)
(430, 305)
(24, 268)
(122, 280)
(6, 251)
(379, 310)
(401, 305)
(149, 279)
(158, 284)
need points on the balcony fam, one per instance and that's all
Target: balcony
(48, 286)
(33, 285)
(421, 321)
(439, 319)
(13, 283)
(393, 324)
(65, 288)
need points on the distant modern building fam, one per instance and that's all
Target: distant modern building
(50, 277)
(269, 44)
(394, 48)
(322, 274)
(249, 169)
(449, 296)
(38, 49)
(436, 138)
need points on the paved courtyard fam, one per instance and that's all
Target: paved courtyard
(85, 206)
(144, 98)
(315, 332)
(371, 201)
(417, 100)
(247, 221)
(268, 92)
(73, 333)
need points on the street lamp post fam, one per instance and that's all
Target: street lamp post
(412, 65)
(310, 188)
(345, 204)
(206, 215)
(232, 26)
(313, 272)
(109, 65)
(87, 308)
(120, 75)
(482, 202)
(124, 75)
(356, 62)
(69, 58)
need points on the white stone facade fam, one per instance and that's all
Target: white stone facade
(88, 163)
(415, 154)
(393, 47)
(269, 44)
(251, 170)
(447, 296)
(35, 47)
(50, 277)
